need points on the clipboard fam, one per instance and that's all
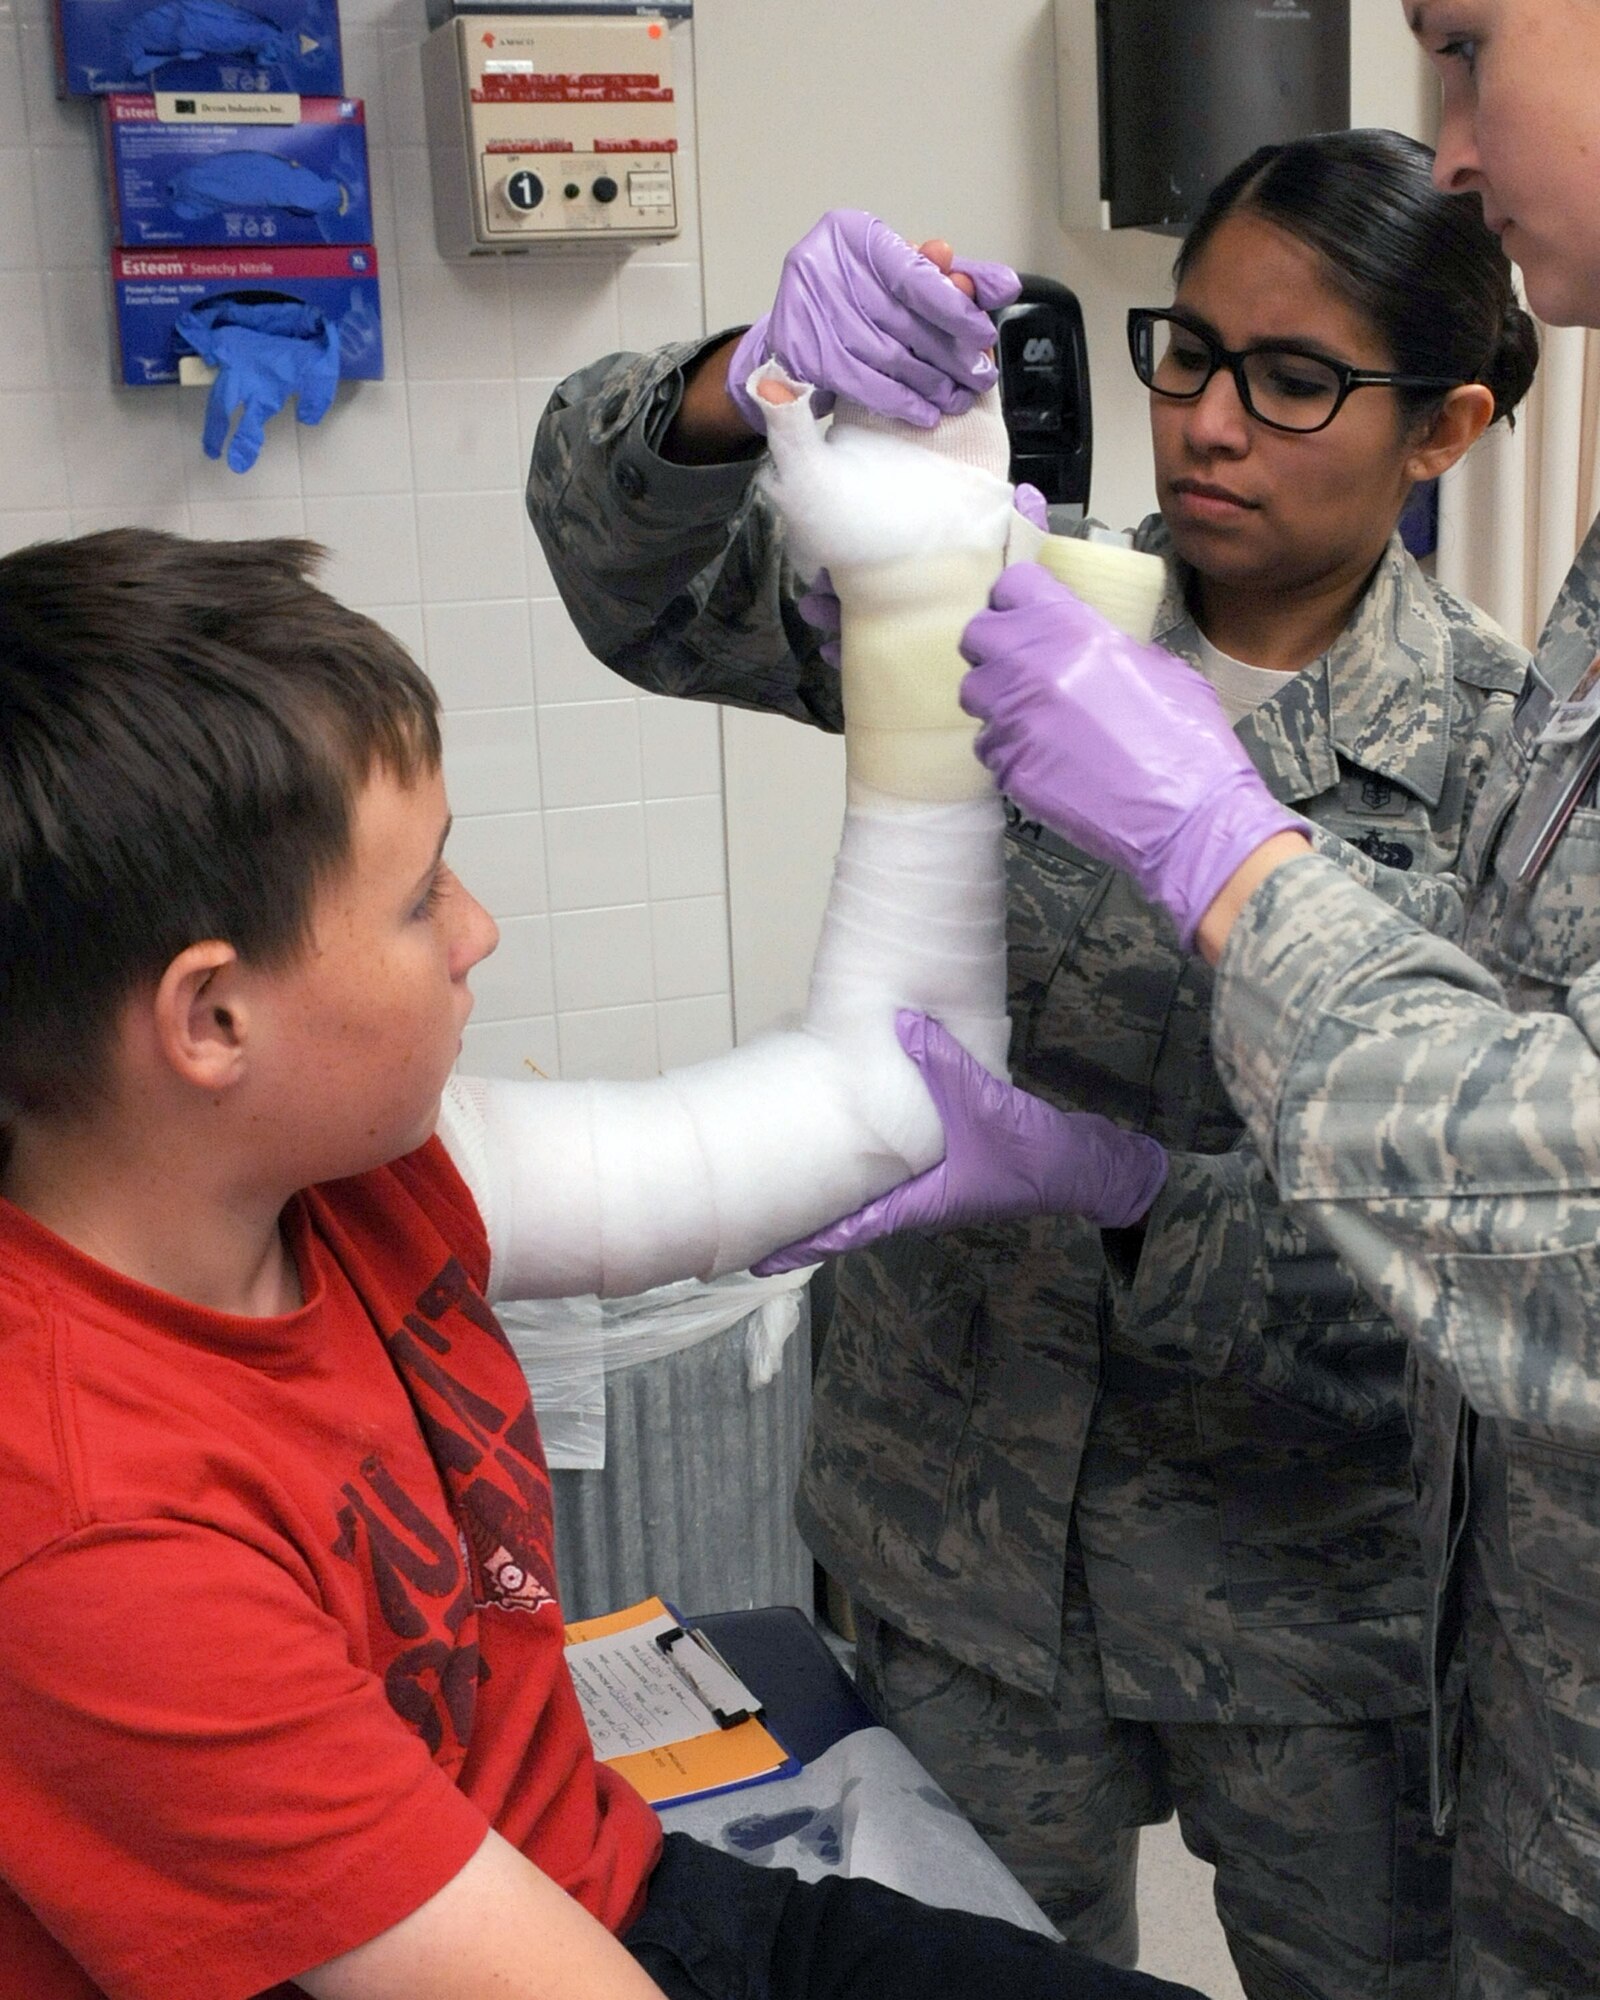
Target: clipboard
(700, 1727)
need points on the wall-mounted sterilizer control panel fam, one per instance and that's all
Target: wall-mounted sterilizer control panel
(550, 129)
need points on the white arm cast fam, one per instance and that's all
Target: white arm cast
(616, 1187)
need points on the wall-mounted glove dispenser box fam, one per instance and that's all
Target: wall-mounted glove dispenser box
(184, 45)
(219, 170)
(152, 288)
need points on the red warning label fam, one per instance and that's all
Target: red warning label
(510, 86)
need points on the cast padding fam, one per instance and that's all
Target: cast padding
(1124, 585)
(916, 918)
(977, 437)
(901, 624)
(616, 1187)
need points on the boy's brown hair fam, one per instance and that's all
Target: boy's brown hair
(184, 729)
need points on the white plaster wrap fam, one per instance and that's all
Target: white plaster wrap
(615, 1187)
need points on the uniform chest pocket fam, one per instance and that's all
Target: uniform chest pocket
(1091, 1016)
(1501, 789)
(1550, 931)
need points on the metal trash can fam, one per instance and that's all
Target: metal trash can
(674, 1424)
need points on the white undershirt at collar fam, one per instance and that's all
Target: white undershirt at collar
(1240, 687)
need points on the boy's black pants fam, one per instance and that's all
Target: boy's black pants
(717, 1928)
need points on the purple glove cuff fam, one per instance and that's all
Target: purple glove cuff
(1131, 1191)
(1199, 856)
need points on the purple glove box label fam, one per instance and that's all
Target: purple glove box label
(228, 45)
(152, 287)
(184, 182)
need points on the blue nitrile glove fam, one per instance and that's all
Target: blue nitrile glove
(859, 313)
(263, 354)
(1122, 748)
(252, 180)
(1007, 1155)
(186, 30)
(819, 606)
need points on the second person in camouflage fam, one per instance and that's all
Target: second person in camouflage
(1177, 1562)
(1434, 1111)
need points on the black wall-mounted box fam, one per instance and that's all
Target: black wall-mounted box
(1181, 90)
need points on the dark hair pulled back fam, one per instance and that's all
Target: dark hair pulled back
(1420, 265)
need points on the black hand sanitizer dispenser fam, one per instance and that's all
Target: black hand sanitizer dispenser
(1044, 391)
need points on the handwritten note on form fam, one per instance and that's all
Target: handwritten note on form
(649, 1721)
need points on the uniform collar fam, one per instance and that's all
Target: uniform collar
(1380, 697)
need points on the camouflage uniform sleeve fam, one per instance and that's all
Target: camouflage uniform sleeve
(1228, 1280)
(1218, 1256)
(674, 575)
(1436, 902)
(1447, 1147)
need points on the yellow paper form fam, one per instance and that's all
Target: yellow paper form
(649, 1723)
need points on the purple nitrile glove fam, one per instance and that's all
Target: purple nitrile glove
(819, 606)
(1031, 504)
(1007, 1155)
(994, 286)
(1121, 747)
(860, 313)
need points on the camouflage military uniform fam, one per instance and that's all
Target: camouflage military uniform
(1438, 1115)
(1078, 1525)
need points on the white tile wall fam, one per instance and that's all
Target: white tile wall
(589, 818)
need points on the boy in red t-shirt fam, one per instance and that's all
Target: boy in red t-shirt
(282, 1696)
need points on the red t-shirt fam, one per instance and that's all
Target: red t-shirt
(278, 1629)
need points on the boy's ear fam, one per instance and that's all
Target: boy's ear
(1462, 419)
(198, 1015)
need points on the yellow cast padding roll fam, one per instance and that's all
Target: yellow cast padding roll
(905, 733)
(1122, 584)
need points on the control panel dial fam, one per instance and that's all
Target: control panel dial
(523, 190)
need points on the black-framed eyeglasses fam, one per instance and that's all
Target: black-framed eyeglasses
(1284, 387)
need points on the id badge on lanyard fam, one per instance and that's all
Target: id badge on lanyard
(1555, 787)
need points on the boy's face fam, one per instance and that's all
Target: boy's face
(1520, 128)
(360, 1032)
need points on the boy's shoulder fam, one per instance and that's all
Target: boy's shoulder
(122, 1402)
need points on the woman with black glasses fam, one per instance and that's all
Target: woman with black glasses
(1130, 1526)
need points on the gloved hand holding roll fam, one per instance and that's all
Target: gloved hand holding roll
(263, 355)
(860, 313)
(1121, 747)
(1007, 1156)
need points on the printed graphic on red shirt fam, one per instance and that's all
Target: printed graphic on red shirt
(471, 1402)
